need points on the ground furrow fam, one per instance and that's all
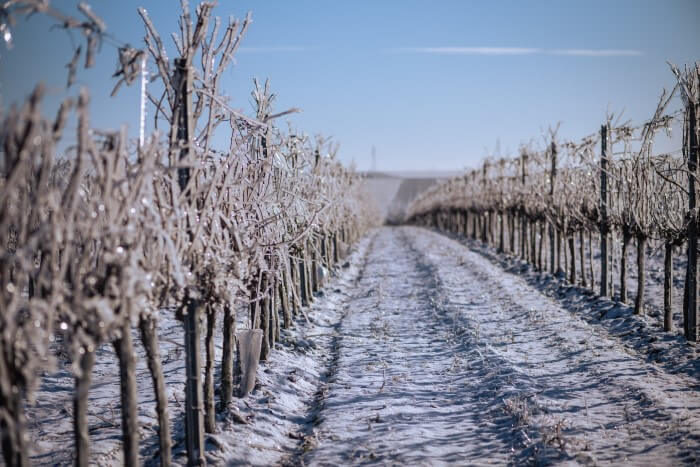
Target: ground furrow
(408, 388)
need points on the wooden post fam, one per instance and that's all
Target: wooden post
(563, 237)
(302, 281)
(309, 270)
(641, 266)
(540, 263)
(611, 260)
(324, 252)
(294, 281)
(590, 259)
(227, 357)
(501, 211)
(209, 349)
(486, 215)
(572, 260)
(557, 249)
(511, 232)
(668, 286)
(284, 298)
(336, 256)
(690, 312)
(552, 177)
(582, 259)
(533, 243)
(194, 420)
(274, 312)
(604, 210)
(265, 318)
(626, 237)
(315, 283)
(523, 220)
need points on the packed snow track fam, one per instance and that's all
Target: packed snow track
(442, 358)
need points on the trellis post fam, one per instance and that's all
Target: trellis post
(552, 178)
(690, 311)
(194, 420)
(604, 135)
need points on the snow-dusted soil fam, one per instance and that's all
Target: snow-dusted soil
(445, 359)
(641, 334)
(260, 429)
(426, 351)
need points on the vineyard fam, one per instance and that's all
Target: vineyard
(218, 289)
(113, 236)
(559, 207)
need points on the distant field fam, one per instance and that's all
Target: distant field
(394, 190)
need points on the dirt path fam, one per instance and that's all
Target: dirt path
(443, 358)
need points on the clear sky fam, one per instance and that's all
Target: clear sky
(431, 84)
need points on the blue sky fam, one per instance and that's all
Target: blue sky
(431, 84)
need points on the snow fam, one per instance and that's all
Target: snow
(256, 431)
(640, 334)
(591, 396)
(445, 359)
(424, 350)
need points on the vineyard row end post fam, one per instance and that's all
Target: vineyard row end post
(552, 179)
(604, 130)
(194, 419)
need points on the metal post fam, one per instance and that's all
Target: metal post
(194, 420)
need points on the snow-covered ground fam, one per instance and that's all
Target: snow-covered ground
(426, 351)
(260, 429)
(444, 359)
(588, 393)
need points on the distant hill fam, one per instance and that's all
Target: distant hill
(409, 189)
(383, 189)
(394, 190)
(437, 174)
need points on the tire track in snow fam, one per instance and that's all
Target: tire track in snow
(590, 399)
(305, 432)
(444, 359)
(410, 386)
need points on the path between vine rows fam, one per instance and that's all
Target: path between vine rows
(420, 351)
(442, 358)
